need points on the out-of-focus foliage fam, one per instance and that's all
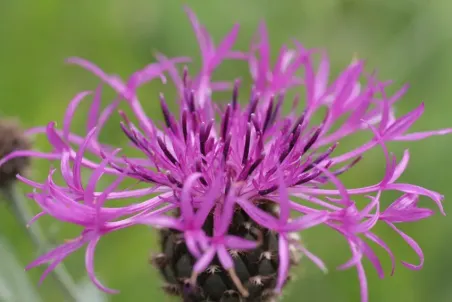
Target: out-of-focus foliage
(406, 40)
(14, 283)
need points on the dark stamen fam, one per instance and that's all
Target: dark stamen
(190, 99)
(202, 147)
(202, 142)
(256, 163)
(269, 190)
(209, 144)
(253, 105)
(185, 78)
(249, 169)
(321, 157)
(348, 167)
(283, 155)
(226, 147)
(299, 121)
(313, 139)
(308, 178)
(271, 171)
(246, 150)
(204, 135)
(140, 172)
(225, 121)
(293, 140)
(260, 143)
(228, 186)
(207, 130)
(166, 151)
(255, 123)
(165, 110)
(184, 124)
(199, 170)
(169, 120)
(173, 180)
(278, 107)
(145, 177)
(312, 176)
(129, 134)
(268, 114)
(195, 121)
(235, 94)
(295, 137)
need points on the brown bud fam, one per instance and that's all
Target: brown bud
(12, 138)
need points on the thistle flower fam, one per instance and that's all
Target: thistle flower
(12, 138)
(226, 175)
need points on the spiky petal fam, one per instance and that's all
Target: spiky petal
(211, 160)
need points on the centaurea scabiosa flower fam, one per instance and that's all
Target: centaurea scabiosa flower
(227, 176)
(12, 139)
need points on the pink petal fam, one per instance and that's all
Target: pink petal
(421, 135)
(190, 241)
(70, 111)
(284, 207)
(186, 198)
(316, 260)
(362, 280)
(414, 245)
(409, 188)
(306, 222)
(54, 139)
(381, 243)
(204, 261)
(224, 47)
(403, 123)
(225, 258)
(76, 170)
(400, 168)
(94, 110)
(162, 222)
(284, 259)
(89, 263)
(112, 80)
(237, 243)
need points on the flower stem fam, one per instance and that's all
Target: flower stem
(24, 215)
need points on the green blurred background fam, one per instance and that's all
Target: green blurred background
(406, 40)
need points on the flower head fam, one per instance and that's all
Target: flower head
(12, 139)
(226, 175)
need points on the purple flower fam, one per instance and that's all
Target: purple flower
(212, 161)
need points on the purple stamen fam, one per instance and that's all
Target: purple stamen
(277, 108)
(246, 149)
(226, 147)
(268, 114)
(253, 105)
(312, 140)
(184, 124)
(225, 121)
(165, 150)
(299, 121)
(166, 114)
(173, 180)
(321, 157)
(268, 191)
(235, 94)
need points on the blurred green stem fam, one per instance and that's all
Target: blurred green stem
(23, 213)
